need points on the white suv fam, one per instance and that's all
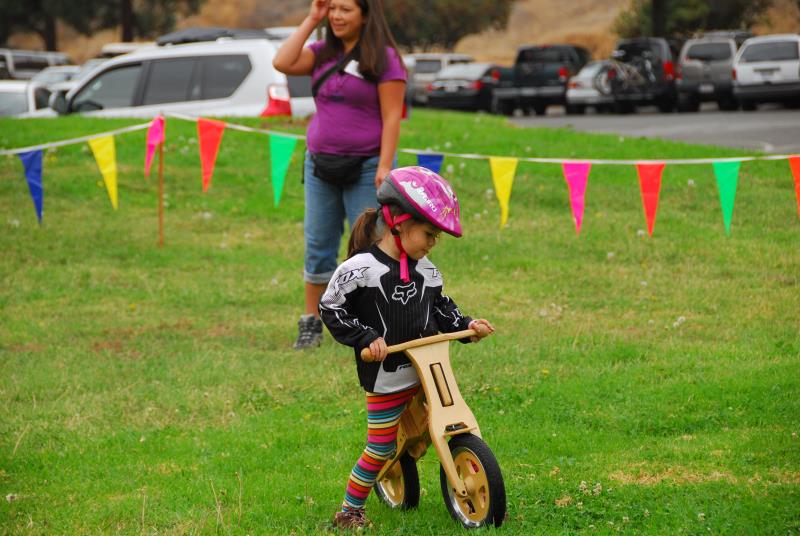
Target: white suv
(767, 69)
(231, 77)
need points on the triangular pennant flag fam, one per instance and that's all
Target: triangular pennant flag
(280, 154)
(209, 132)
(431, 161)
(576, 175)
(727, 174)
(503, 171)
(650, 184)
(106, 156)
(155, 137)
(32, 162)
(794, 164)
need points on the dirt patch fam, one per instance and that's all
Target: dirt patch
(674, 475)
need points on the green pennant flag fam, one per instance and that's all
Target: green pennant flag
(280, 151)
(727, 174)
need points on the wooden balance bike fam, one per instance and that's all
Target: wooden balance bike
(471, 481)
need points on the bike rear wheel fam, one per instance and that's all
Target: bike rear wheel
(485, 503)
(399, 488)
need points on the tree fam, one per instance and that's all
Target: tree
(425, 24)
(137, 18)
(680, 18)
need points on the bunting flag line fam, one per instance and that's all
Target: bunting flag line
(577, 174)
(794, 165)
(431, 161)
(280, 154)
(32, 162)
(209, 133)
(503, 171)
(727, 174)
(106, 156)
(155, 137)
(650, 185)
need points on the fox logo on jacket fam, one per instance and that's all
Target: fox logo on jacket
(405, 292)
(352, 275)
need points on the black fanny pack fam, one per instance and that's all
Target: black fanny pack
(340, 170)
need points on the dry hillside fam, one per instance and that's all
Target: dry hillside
(584, 22)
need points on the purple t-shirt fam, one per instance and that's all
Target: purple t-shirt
(348, 118)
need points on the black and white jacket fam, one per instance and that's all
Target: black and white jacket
(366, 299)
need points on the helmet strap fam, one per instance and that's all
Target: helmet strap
(391, 222)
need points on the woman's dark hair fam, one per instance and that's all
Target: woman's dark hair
(367, 227)
(371, 47)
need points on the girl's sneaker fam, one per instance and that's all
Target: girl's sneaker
(351, 519)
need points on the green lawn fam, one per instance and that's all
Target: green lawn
(635, 384)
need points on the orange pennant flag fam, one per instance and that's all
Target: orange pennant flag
(209, 133)
(650, 184)
(794, 163)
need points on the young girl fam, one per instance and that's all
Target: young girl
(388, 292)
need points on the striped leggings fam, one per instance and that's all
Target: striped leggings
(383, 417)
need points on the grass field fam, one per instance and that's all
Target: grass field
(646, 385)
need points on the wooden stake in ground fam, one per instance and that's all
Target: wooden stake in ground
(161, 194)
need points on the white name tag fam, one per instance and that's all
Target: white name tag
(352, 68)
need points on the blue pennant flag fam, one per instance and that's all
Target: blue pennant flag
(430, 161)
(33, 173)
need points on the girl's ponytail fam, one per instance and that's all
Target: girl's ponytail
(363, 234)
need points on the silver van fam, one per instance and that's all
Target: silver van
(423, 68)
(704, 73)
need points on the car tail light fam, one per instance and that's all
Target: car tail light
(477, 85)
(495, 75)
(669, 70)
(429, 87)
(612, 73)
(563, 74)
(278, 102)
(733, 74)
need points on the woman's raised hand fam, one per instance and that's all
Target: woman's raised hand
(319, 10)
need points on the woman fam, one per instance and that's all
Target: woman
(352, 139)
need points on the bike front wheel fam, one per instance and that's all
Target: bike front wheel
(485, 503)
(399, 488)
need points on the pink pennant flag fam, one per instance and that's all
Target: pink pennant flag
(576, 175)
(650, 184)
(155, 137)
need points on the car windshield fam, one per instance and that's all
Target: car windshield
(51, 76)
(428, 66)
(13, 103)
(468, 71)
(775, 51)
(629, 51)
(543, 55)
(709, 52)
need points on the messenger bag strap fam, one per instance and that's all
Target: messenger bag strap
(341, 64)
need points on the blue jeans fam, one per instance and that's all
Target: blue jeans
(327, 206)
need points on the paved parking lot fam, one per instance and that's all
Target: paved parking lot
(773, 130)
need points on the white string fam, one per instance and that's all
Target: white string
(74, 140)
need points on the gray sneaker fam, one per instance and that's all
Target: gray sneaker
(309, 332)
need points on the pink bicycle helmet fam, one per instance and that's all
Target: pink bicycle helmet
(423, 195)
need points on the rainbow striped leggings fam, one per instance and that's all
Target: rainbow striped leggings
(383, 418)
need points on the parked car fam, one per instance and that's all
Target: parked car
(226, 77)
(704, 73)
(23, 64)
(423, 68)
(644, 74)
(465, 86)
(540, 78)
(590, 87)
(23, 98)
(56, 74)
(767, 69)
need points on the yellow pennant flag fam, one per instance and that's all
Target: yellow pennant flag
(503, 171)
(106, 156)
